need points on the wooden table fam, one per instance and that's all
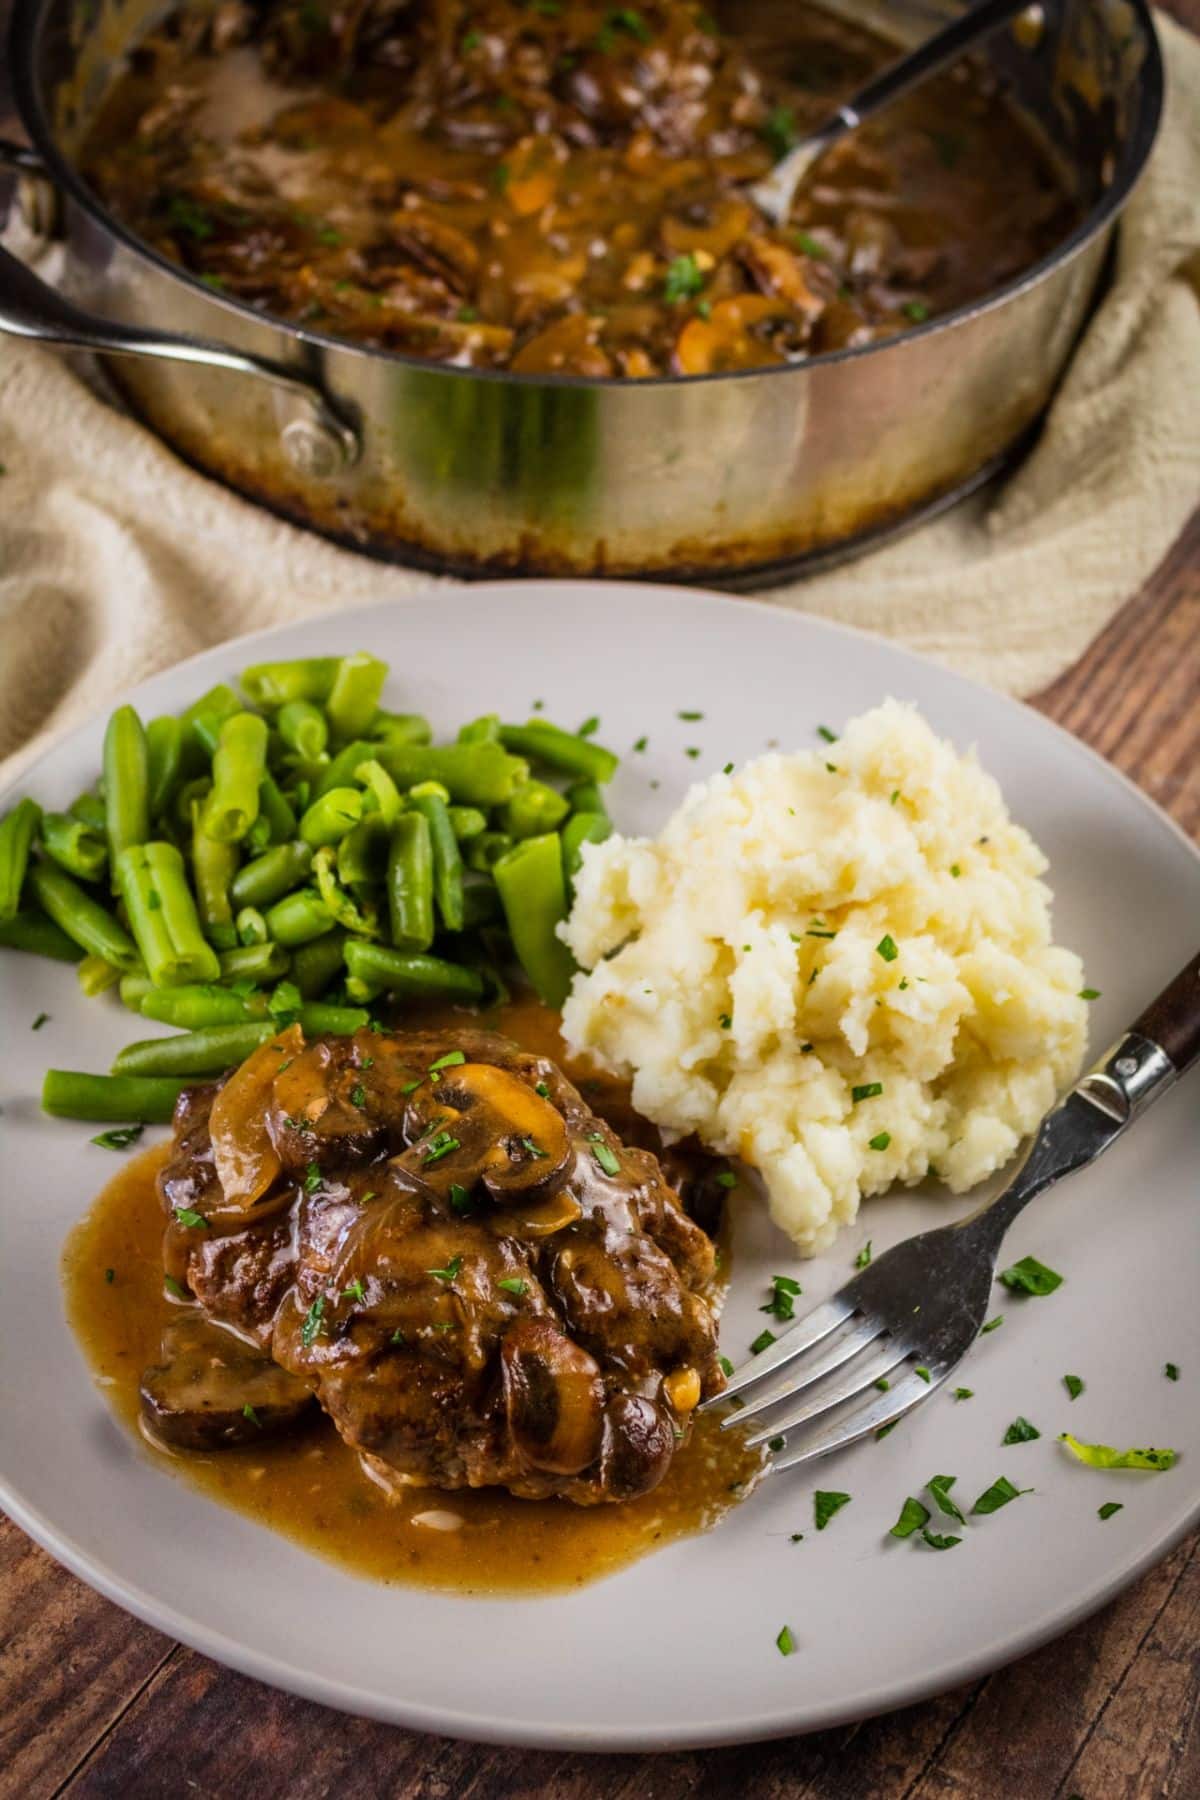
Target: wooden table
(94, 1704)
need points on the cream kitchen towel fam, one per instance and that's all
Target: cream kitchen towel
(116, 559)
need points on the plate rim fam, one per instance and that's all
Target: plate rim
(474, 1726)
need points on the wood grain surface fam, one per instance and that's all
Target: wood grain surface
(94, 1704)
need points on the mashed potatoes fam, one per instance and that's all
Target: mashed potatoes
(836, 965)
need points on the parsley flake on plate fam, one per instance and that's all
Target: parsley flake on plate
(998, 1495)
(825, 1504)
(912, 1517)
(762, 1342)
(785, 1643)
(119, 1137)
(964, 1393)
(1109, 1508)
(864, 1255)
(1029, 1276)
(939, 1486)
(937, 1542)
(603, 1155)
(1171, 1371)
(1020, 1432)
(1073, 1385)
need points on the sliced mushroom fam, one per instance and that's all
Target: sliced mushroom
(637, 1448)
(727, 340)
(716, 230)
(212, 1391)
(571, 345)
(503, 1133)
(553, 1398)
(244, 1154)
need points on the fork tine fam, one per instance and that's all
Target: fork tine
(893, 1405)
(863, 1334)
(858, 1379)
(809, 1331)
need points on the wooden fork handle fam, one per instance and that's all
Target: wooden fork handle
(1173, 1020)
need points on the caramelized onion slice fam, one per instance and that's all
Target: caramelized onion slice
(553, 1398)
(244, 1157)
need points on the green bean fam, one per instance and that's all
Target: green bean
(275, 873)
(34, 932)
(333, 1021)
(411, 976)
(381, 789)
(485, 851)
(254, 962)
(363, 993)
(534, 808)
(481, 904)
(81, 917)
(251, 927)
(203, 720)
(135, 986)
(96, 976)
(473, 774)
(258, 838)
(126, 782)
(533, 892)
(410, 882)
(447, 858)
(354, 697)
(560, 750)
(74, 846)
(341, 770)
(362, 854)
(214, 866)
(195, 1007)
(318, 963)
(18, 829)
(238, 769)
(481, 731)
(275, 684)
(303, 728)
(344, 907)
(162, 916)
(70, 1094)
(208, 1052)
(329, 819)
(586, 797)
(468, 822)
(90, 809)
(400, 728)
(580, 829)
(164, 760)
(298, 918)
(277, 810)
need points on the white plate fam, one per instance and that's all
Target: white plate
(678, 1649)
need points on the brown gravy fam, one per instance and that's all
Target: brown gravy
(311, 1487)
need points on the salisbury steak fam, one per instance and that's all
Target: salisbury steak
(477, 1279)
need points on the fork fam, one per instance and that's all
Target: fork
(906, 1321)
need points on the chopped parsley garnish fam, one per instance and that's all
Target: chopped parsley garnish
(1089, 993)
(358, 1095)
(42, 1019)
(895, 795)
(641, 745)
(937, 1541)
(796, 1537)
(174, 1287)
(884, 1429)
(998, 1495)
(193, 1220)
(725, 1021)
(603, 1155)
(442, 1145)
(1109, 1508)
(726, 1365)
(727, 1179)
(312, 1178)
(823, 731)
(451, 1060)
(923, 1372)
(869, 1090)
(779, 130)
(110, 1275)
(776, 1443)
(513, 1285)
(912, 1517)
(727, 769)
(1171, 1371)
(883, 1384)
(763, 1341)
(449, 1272)
(864, 1256)
(880, 1141)
(992, 1325)
(284, 1003)
(356, 1290)
(411, 1087)
(825, 1505)
(683, 281)
(119, 1137)
(785, 1643)
(312, 1321)
(1029, 1276)
(1073, 1385)
(689, 717)
(248, 1412)
(692, 751)
(916, 310)
(939, 1486)
(781, 1305)
(532, 1149)
(589, 728)
(460, 1198)
(964, 1393)
(541, 1088)
(1103, 1456)
(886, 947)
(820, 931)
(1020, 1432)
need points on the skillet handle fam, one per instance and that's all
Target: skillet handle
(317, 440)
(1173, 1020)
